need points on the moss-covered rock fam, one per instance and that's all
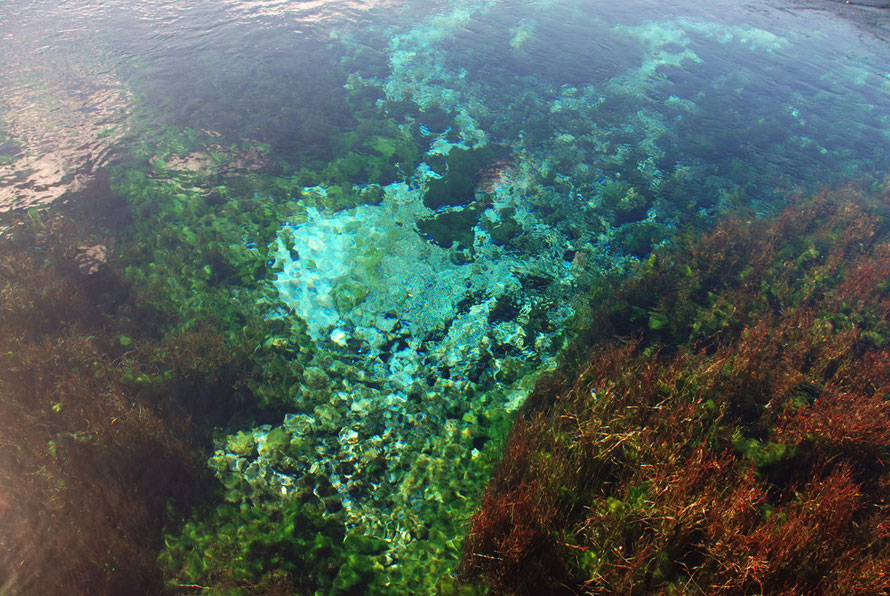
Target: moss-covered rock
(452, 229)
(458, 186)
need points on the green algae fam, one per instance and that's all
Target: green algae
(209, 258)
(291, 548)
(200, 242)
(374, 153)
(458, 186)
(454, 229)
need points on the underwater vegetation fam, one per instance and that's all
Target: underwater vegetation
(291, 550)
(330, 296)
(722, 426)
(291, 462)
(390, 294)
(94, 442)
(111, 389)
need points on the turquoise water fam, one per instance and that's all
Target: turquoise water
(416, 199)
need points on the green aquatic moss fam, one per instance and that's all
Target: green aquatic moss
(198, 248)
(458, 186)
(764, 455)
(640, 238)
(291, 547)
(505, 228)
(376, 151)
(451, 229)
(242, 443)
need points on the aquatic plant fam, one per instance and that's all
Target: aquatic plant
(216, 222)
(723, 424)
(281, 550)
(600, 164)
(197, 251)
(375, 152)
(199, 260)
(93, 444)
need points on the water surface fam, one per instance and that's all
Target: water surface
(396, 212)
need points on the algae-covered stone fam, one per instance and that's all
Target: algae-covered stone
(458, 185)
(276, 440)
(503, 227)
(452, 229)
(242, 444)
(365, 545)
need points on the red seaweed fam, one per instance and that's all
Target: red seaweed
(723, 426)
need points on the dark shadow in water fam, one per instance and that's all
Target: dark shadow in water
(97, 399)
(87, 464)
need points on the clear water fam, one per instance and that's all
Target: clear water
(425, 193)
